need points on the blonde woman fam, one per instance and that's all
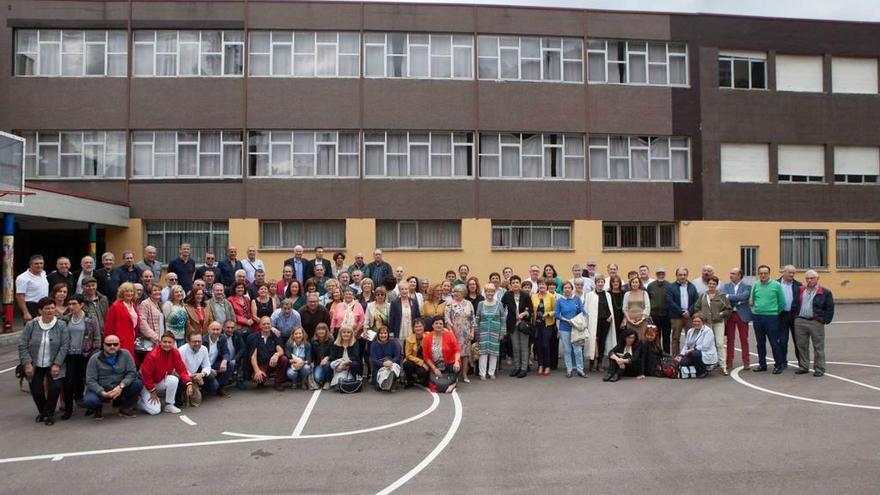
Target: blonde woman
(434, 304)
(460, 319)
(636, 308)
(175, 314)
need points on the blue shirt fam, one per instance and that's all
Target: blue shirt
(786, 291)
(285, 325)
(298, 270)
(568, 309)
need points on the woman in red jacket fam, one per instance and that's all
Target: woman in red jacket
(123, 317)
(157, 374)
(444, 357)
(241, 306)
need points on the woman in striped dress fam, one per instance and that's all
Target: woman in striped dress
(491, 317)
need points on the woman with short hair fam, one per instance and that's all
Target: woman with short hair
(490, 320)
(385, 360)
(544, 319)
(442, 355)
(698, 347)
(434, 305)
(625, 358)
(715, 308)
(637, 307)
(367, 294)
(568, 306)
(241, 306)
(460, 320)
(42, 352)
(414, 366)
(347, 313)
(600, 319)
(518, 304)
(85, 336)
(262, 305)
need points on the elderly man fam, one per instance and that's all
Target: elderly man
(645, 276)
(534, 276)
(127, 272)
(106, 282)
(170, 281)
(266, 356)
(357, 265)
(198, 365)
(815, 310)
(222, 362)
(184, 267)
(111, 376)
(148, 278)
(284, 320)
(738, 293)
(590, 270)
(30, 287)
(251, 264)
(378, 269)
(320, 278)
(63, 275)
(681, 297)
(613, 270)
(210, 264)
(87, 269)
(300, 265)
(702, 282)
(319, 261)
(767, 301)
(357, 277)
(150, 263)
(95, 304)
(312, 314)
(259, 280)
(221, 310)
(791, 288)
(659, 311)
(229, 266)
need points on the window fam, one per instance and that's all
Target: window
(418, 55)
(188, 53)
(304, 54)
(803, 248)
(303, 153)
(182, 154)
(799, 73)
(514, 58)
(639, 236)
(547, 156)
(418, 234)
(418, 154)
(858, 249)
(74, 154)
(856, 164)
(854, 75)
(748, 260)
(531, 235)
(742, 70)
(745, 163)
(801, 163)
(654, 63)
(70, 53)
(204, 237)
(286, 234)
(639, 158)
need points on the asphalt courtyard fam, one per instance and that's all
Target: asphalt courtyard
(748, 433)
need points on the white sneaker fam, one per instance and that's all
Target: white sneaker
(171, 408)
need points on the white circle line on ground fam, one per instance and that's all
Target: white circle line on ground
(185, 419)
(830, 375)
(7, 370)
(854, 322)
(735, 375)
(450, 433)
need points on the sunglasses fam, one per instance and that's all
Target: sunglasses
(111, 344)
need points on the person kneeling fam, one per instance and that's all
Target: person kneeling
(158, 373)
(625, 358)
(414, 366)
(111, 376)
(198, 364)
(385, 354)
(267, 355)
(698, 348)
(298, 352)
(443, 355)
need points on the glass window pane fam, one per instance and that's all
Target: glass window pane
(326, 62)
(552, 66)
(640, 164)
(375, 61)
(725, 73)
(637, 67)
(510, 166)
(281, 61)
(280, 159)
(232, 159)
(598, 163)
(677, 70)
(418, 62)
(596, 67)
(374, 160)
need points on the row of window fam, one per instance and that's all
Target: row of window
(801, 73)
(802, 248)
(276, 153)
(799, 163)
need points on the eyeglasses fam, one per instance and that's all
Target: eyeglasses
(111, 344)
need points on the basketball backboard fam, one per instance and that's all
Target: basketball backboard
(11, 169)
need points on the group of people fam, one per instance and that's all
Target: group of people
(115, 335)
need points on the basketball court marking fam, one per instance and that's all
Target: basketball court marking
(185, 419)
(7, 370)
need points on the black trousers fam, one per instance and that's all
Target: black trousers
(665, 327)
(786, 329)
(694, 359)
(631, 369)
(415, 375)
(602, 327)
(46, 398)
(554, 347)
(74, 380)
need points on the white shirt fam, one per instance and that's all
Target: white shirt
(79, 280)
(44, 360)
(34, 287)
(195, 360)
(250, 268)
(213, 351)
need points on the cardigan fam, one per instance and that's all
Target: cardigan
(450, 348)
(32, 336)
(705, 343)
(549, 308)
(119, 323)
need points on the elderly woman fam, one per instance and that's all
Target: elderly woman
(123, 318)
(176, 315)
(345, 358)
(442, 355)
(84, 338)
(385, 359)
(333, 295)
(636, 307)
(698, 347)
(299, 355)
(600, 319)
(460, 320)
(567, 307)
(198, 313)
(414, 366)
(404, 310)
(367, 294)
(491, 321)
(544, 319)
(434, 304)
(348, 313)
(715, 308)
(42, 352)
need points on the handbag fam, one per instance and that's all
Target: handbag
(349, 383)
(579, 329)
(522, 326)
(142, 344)
(443, 382)
(667, 367)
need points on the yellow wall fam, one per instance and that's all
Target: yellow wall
(701, 242)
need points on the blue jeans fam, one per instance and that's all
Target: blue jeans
(323, 373)
(300, 374)
(226, 376)
(568, 349)
(767, 327)
(128, 398)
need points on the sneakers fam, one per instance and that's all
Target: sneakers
(171, 408)
(126, 412)
(326, 385)
(581, 373)
(99, 413)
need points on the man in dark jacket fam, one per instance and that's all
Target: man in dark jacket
(229, 266)
(63, 275)
(184, 267)
(815, 310)
(107, 284)
(681, 297)
(659, 312)
(378, 269)
(111, 376)
(791, 288)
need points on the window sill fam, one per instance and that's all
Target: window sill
(535, 179)
(857, 270)
(641, 85)
(73, 179)
(290, 249)
(636, 250)
(420, 250)
(515, 250)
(641, 181)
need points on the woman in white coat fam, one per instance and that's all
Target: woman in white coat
(698, 348)
(601, 320)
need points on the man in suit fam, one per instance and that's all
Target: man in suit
(300, 265)
(791, 288)
(218, 355)
(738, 293)
(681, 296)
(319, 260)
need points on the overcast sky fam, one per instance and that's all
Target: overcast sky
(855, 10)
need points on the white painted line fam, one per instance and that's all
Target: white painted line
(735, 375)
(835, 322)
(434, 453)
(185, 419)
(843, 379)
(417, 417)
(7, 370)
(300, 426)
(261, 437)
(57, 458)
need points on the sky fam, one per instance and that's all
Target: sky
(852, 10)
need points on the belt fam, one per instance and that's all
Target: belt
(808, 319)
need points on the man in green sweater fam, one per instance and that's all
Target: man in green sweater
(767, 302)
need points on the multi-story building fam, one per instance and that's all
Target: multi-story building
(443, 134)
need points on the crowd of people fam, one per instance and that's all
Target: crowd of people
(116, 336)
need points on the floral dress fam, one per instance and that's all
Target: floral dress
(460, 319)
(490, 319)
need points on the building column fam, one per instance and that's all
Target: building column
(93, 241)
(8, 272)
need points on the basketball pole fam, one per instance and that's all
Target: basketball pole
(8, 276)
